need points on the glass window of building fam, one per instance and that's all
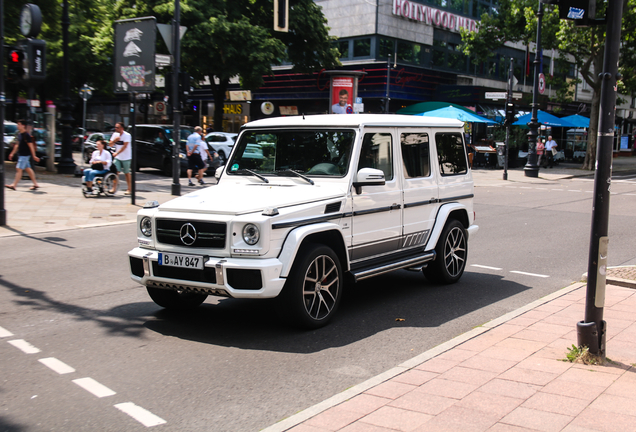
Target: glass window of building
(362, 47)
(386, 46)
(343, 48)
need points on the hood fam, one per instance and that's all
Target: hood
(235, 199)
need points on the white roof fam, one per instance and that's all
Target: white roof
(355, 120)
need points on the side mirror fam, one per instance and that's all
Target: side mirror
(368, 177)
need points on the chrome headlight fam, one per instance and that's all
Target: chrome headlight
(251, 234)
(146, 226)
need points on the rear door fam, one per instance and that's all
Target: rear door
(455, 180)
(377, 214)
(421, 194)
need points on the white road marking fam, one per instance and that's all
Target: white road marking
(525, 187)
(529, 274)
(56, 365)
(5, 333)
(140, 414)
(485, 267)
(92, 386)
(631, 194)
(574, 190)
(26, 347)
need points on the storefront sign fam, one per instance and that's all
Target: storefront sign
(288, 110)
(240, 95)
(267, 108)
(431, 16)
(232, 109)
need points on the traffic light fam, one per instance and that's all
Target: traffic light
(281, 15)
(15, 64)
(510, 114)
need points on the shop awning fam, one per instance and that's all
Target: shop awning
(544, 119)
(578, 121)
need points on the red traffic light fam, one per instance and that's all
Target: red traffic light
(14, 56)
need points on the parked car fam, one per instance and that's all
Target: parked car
(41, 139)
(222, 143)
(345, 198)
(90, 145)
(154, 147)
(10, 133)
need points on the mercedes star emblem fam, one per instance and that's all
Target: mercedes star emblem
(188, 234)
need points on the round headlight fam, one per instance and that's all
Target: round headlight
(251, 234)
(146, 226)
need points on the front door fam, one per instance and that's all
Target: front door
(377, 211)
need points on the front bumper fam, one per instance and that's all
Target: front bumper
(228, 277)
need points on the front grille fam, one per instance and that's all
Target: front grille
(244, 279)
(137, 266)
(205, 275)
(209, 234)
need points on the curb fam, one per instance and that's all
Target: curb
(612, 280)
(351, 392)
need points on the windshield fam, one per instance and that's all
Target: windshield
(323, 152)
(185, 132)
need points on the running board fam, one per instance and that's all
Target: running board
(365, 273)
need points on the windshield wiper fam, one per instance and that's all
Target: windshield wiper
(296, 173)
(245, 170)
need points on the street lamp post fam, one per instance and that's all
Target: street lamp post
(532, 169)
(388, 81)
(66, 164)
(176, 99)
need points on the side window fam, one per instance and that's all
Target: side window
(376, 153)
(416, 155)
(451, 153)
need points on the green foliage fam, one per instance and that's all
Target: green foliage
(582, 355)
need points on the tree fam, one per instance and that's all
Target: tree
(515, 21)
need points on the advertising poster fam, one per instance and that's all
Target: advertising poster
(135, 55)
(342, 95)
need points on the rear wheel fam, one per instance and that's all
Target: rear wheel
(110, 184)
(451, 253)
(176, 300)
(314, 287)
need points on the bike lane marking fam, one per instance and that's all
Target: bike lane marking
(94, 387)
(56, 365)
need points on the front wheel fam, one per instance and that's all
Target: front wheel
(314, 287)
(451, 253)
(176, 300)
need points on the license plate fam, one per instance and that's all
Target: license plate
(181, 260)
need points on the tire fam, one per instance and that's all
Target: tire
(451, 254)
(313, 290)
(109, 184)
(175, 300)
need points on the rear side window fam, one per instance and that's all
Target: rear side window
(415, 155)
(451, 153)
(376, 153)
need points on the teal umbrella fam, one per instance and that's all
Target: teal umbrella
(578, 120)
(543, 118)
(423, 107)
(452, 112)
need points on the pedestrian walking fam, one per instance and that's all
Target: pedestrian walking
(207, 159)
(123, 154)
(194, 148)
(551, 150)
(25, 150)
(540, 149)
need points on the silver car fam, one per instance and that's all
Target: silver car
(221, 142)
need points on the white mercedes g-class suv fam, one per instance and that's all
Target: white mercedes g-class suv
(307, 202)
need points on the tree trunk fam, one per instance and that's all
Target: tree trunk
(592, 131)
(219, 100)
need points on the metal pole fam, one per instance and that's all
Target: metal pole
(508, 102)
(532, 169)
(133, 137)
(3, 212)
(176, 100)
(83, 124)
(66, 164)
(388, 81)
(592, 331)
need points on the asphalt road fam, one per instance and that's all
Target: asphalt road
(230, 365)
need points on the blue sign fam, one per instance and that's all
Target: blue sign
(349, 109)
(358, 100)
(576, 13)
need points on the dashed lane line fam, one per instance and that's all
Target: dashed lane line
(23, 345)
(486, 267)
(5, 333)
(140, 414)
(529, 274)
(94, 387)
(56, 365)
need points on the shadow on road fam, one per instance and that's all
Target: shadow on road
(398, 299)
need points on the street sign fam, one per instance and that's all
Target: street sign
(496, 95)
(166, 33)
(517, 95)
(541, 83)
(135, 41)
(85, 93)
(163, 59)
(160, 107)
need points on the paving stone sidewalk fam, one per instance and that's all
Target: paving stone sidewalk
(507, 375)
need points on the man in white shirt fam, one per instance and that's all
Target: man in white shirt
(194, 148)
(123, 153)
(551, 144)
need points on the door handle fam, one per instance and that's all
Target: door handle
(396, 206)
(433, 200)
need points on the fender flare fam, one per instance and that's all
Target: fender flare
(440, 221)
(295, 238)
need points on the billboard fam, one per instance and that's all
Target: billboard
(342, 94)
(135, 55)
